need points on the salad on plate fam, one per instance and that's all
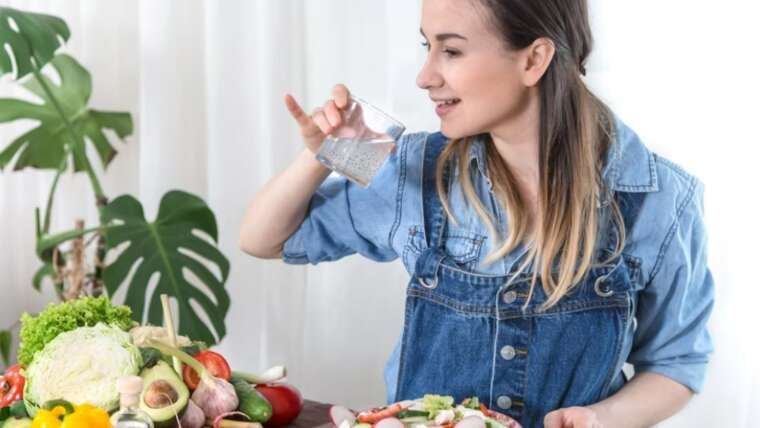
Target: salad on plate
(430, 411)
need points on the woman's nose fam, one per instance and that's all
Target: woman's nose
(429, 77)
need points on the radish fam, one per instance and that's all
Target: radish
(471, 422)
(338, 414)
(390, 423)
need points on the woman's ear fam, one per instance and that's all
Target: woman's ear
(536, 59)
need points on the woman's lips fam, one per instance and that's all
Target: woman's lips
(444, 109)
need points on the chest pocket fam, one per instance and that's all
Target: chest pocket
(462, 247)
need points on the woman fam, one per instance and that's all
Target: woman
(547, 245)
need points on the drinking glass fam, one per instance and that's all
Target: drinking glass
(359, 147)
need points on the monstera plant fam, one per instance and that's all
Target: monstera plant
(182, 239)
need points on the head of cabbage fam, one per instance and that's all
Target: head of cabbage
(81, 366)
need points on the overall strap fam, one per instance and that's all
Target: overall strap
(434, 214)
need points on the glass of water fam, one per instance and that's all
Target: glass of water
(360, 146)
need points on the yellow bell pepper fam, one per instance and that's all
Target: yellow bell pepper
(83, 416)
(49, 418)
(87, 416)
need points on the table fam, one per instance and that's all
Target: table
(313, 415)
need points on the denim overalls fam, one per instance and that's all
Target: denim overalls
(466, 334)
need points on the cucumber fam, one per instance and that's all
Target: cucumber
(411, 414)
(493, 423)
(362, 426)
(252, 403)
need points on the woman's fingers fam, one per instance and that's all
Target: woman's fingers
(341, 95)
(296, 111)
(553, 420)
(309, 128)
(321, 120)
(333, 114)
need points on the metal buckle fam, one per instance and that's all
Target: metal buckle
(428, 285)
(597, 287)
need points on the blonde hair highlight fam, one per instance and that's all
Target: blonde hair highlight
(570, 195)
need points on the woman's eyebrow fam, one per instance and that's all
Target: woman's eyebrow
(443, 36)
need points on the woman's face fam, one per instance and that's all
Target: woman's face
(468, 64)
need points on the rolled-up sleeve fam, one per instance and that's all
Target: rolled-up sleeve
(343, 218)
(671, 337)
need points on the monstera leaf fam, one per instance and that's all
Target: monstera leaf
(28, 37)
(43, 147)
(171, 247)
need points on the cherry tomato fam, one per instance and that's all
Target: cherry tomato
(214, 363)
(286, 402)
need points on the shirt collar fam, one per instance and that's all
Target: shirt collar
(630, 166)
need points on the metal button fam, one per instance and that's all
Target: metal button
(504, 402)
(509, 297)
(601, 287)
(508, 352)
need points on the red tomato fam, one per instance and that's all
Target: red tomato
(286, 402)
(213, 362)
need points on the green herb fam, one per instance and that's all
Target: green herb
(196, 347)
(18, 410)
(411, 414)
(37, 331)
(471, 403)
(435, 403)
(150, 357)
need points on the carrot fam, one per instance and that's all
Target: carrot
(373, 417)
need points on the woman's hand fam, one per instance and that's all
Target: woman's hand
(572, 417)
(324, 120)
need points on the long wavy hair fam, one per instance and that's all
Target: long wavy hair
(576, 133)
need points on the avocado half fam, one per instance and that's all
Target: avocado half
(164, 396)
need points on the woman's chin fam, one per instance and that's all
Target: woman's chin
(453, 132)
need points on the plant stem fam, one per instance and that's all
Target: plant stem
(49, 207)
(170, 331)
(271, 375)
(75, 139)
(81, 156)
(182, 356)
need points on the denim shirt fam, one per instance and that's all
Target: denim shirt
(673, 286)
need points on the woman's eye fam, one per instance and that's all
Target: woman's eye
(448, 52)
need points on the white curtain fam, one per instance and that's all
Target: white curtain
(205, 80)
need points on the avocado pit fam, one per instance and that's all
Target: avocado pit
(160, 394)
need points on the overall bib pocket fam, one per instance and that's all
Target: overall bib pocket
(462, 247)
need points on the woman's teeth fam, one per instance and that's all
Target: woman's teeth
(448, 102)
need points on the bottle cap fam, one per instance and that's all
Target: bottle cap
(129, 385)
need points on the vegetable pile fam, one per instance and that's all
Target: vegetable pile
(431, 411)
(73, 354)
